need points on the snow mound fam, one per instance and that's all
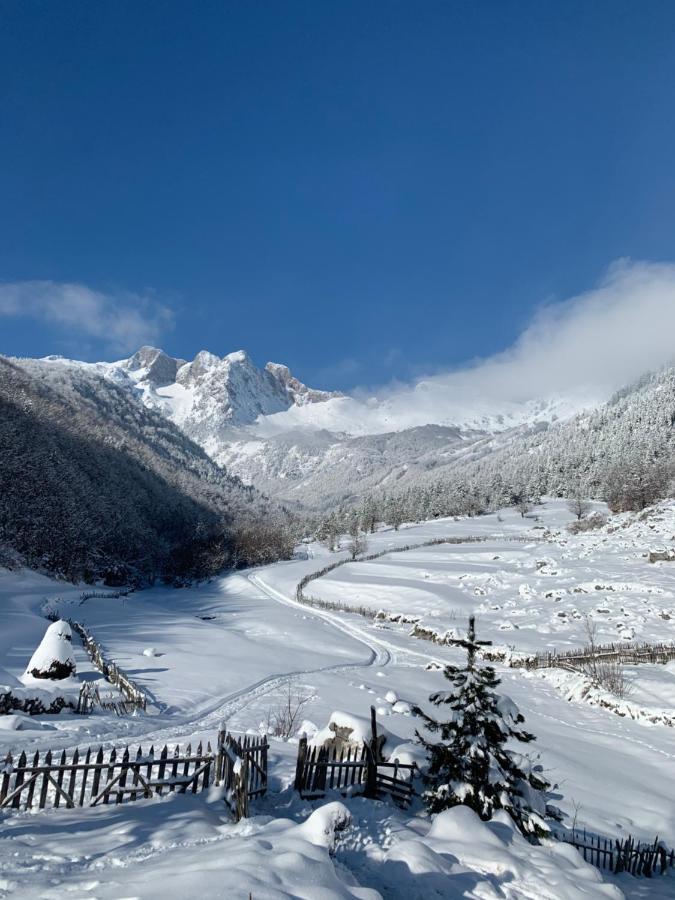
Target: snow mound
(21, 722)
(409, 753)
(347, 729)
(325, 823)
(461, 856)
(54, 658)
(172, 849)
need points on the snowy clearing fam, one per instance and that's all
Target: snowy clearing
(226, 650)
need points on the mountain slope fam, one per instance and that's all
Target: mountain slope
(622, 452)
(93, 484)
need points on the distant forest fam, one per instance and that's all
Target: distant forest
(623, 453)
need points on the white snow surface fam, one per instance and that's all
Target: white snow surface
(228, 651)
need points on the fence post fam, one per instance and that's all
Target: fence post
(220, 750)
(243, 787)
(300, 764)
(371, 758)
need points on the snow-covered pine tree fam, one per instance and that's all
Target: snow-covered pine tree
(471, 764)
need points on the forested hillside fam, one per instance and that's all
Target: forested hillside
(93, 485)
(623, 452)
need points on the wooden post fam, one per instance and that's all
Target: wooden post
(243, 786)
(220, 750)
(373, 732)
(371, 759)
(300, 764)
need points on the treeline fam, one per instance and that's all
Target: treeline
(95, 486)
(623, 453)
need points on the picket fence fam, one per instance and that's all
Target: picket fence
(91, 778)
(356, 770)
(623, 854)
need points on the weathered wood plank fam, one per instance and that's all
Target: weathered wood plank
(109, 778)
(19, 779)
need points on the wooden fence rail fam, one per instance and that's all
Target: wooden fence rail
(93, 777)
(135, 698)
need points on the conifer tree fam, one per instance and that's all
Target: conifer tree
(470, 764)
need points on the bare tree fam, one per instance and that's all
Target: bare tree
(523, 507)
(579, 507)
(591, 631)
(283, 720)
(357, 545)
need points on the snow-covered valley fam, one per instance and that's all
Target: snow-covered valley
(226, 650)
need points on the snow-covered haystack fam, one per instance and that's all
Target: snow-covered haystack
(54, 658)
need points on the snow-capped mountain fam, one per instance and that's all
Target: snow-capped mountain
(210, 396)
(319, 447)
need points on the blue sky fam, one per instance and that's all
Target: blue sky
(365, 191)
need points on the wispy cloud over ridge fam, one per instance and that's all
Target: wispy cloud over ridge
(573, 354)
(601, 339)
(121, 321)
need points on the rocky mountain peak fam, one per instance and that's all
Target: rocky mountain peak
(300, 393)
(154, 365)
(211, 394)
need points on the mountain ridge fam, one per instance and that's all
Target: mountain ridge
(313, 448)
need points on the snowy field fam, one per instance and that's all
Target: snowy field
(225, 652)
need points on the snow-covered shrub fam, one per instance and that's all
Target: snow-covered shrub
(590, 523)
(471, 764)
(610, 675)
(54, 658)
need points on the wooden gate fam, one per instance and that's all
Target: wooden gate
(242, 769)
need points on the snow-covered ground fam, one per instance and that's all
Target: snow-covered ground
(226, 651)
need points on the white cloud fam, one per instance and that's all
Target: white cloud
(590, 344)
(573, 354)
(121, 321)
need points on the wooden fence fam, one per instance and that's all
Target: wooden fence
(135, 698)
(87, 779)
(624, 654)
(320, 769)
(353, 770)
(105, 595)
(621, 855)
(367, 612)
(91, 778)
(90, 697)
